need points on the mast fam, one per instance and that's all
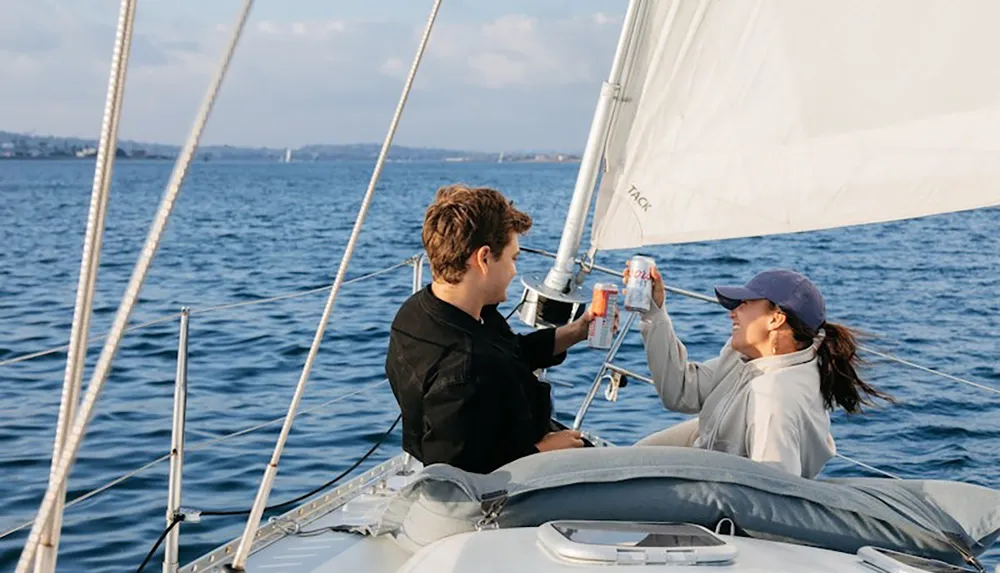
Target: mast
(563, 269)
(558, 284)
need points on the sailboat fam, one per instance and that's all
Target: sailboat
(718, 120)
(288, 155)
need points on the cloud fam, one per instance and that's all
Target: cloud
(513, 81)
(394, 68)
(517, 50)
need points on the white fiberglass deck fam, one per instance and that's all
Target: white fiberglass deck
(286, 544)
(297, 543)
(517, 550)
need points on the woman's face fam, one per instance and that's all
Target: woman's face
(753, 321)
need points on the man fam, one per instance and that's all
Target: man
(463, 380)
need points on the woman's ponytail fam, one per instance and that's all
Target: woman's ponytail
(839, 362)
(838, 371)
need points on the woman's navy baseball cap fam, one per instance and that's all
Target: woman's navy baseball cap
(792, 292)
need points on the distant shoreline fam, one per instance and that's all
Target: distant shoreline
(34, 147)
(203, 159)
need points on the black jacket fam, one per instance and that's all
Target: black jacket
(466, 389)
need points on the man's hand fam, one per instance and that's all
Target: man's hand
(581, 326)
(578, 331)
(572, 333)
(561, 440)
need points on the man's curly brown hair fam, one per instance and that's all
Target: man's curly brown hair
(461, 220)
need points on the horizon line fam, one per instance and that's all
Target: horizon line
(95, 140)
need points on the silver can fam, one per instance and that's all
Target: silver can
(604, 308)
(639, 297)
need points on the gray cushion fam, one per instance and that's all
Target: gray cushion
(937, 519)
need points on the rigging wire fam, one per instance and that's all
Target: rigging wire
(180, 517)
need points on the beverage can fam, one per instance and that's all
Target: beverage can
(639, 297)
(604, 308)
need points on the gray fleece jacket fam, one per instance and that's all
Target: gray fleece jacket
(769, 409)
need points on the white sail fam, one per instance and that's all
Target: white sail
(753, 117)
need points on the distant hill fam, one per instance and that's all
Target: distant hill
(369, 151)
(31, 146)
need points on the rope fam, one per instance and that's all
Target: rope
(705, 298)
(928, 370)
(89, 264)
(159, 541)
(243, 550)
(56, 349)
(179, 518)
(199, 446)
(212, 442)
(314, 491)
(295, 294)
(206, 310)
(868, 467)
(68, 453)
(91, 494)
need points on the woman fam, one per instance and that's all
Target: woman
(768, 394)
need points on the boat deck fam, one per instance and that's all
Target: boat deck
(298, 542)
(516, 550)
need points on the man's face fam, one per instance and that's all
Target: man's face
(500, 271)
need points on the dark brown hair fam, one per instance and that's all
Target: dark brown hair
(461, 220)
(839, 362)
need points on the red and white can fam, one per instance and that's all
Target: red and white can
(604, 308)
(639, 297)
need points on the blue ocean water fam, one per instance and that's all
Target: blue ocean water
(927, 290)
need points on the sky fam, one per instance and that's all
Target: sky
(497, 75)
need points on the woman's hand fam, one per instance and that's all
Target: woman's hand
(659, 292)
